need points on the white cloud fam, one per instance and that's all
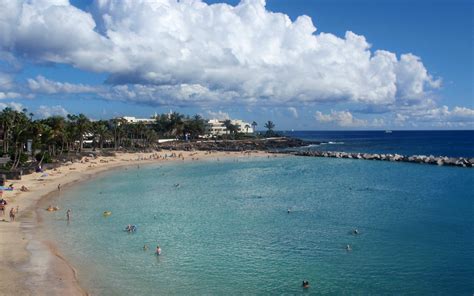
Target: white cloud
(47, 111)
(400, 119)
(443, 114)
(194, 53)
(6, 81)
(293, 112)
(15, 106)
(9, 95)
(42, 85)
(340, 118)
(218, 115)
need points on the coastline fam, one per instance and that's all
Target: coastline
(36, 263)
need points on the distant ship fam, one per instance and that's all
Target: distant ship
(388, 132)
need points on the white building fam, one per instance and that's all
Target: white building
(131, 119)
(216, 127)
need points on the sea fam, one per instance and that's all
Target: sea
(260, 226)
(458, 143)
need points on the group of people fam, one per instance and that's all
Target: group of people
(157, 251)
(131, 228)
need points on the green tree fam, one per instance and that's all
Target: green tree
(82, 126)
(254, 126)
(269, 125)
(7, 117)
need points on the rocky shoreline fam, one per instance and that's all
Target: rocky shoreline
(423, 159)
(266, 144)
(283, 145)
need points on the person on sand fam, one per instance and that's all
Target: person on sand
(12, 214)
(68, 215)
(3, 204)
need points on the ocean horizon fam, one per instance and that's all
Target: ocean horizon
(456, 143)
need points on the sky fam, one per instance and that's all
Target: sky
(304, 64)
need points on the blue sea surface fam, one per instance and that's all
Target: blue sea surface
(436, 143)
(225, 229)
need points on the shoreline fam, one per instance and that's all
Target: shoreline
(37, 263)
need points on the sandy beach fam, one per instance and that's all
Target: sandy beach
(30, 265)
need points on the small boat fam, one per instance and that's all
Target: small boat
(388, 132)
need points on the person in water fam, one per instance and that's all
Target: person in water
(145, 247)
(158, 250)
(68, 215)
(305, 284)
(355, 231)
(348, 248)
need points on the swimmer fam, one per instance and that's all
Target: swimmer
(289, 211)
(145, 247)
(348, 248)
(355, 231)
(305, 284)
(158, 250)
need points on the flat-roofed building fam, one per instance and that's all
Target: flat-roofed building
(216, 127)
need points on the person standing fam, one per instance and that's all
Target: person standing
(68, 215)
(12, 214)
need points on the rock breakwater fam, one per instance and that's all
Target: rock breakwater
(424, 159)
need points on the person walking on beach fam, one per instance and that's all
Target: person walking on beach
(68, 215)
(12, 214)
(59, 187)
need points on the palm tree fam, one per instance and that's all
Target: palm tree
(19, 128)
(269, 125)
(247, 128)
(7, 116)
(176, 124)
(100, 132)
(254, 126)
(82, 126)
(57, 124)
(119, 129)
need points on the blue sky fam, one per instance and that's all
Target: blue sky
(246, 62)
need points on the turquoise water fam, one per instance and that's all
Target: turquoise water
(226, 231)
